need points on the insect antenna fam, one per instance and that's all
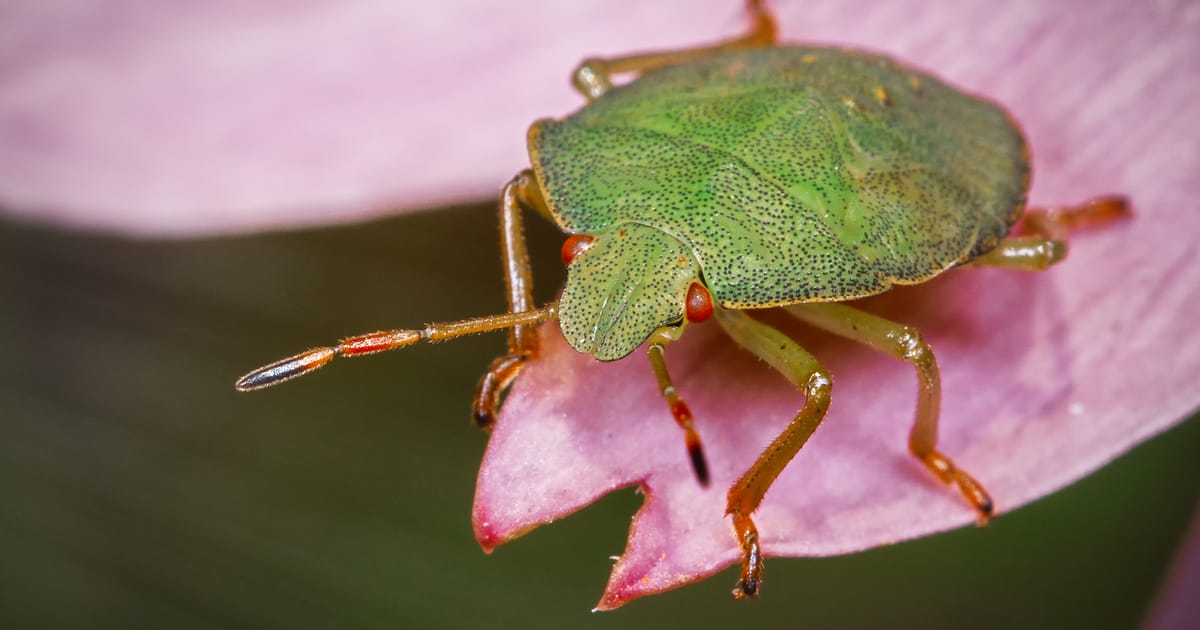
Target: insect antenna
(371, 343)
(679, 410)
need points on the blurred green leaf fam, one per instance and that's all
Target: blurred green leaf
(137, 489)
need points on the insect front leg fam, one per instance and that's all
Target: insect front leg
(593, 77)
(906, 344)
(520, 193)
(1046, 243)
(806, 373)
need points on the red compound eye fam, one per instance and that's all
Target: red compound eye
(699, 303)
(575, 245)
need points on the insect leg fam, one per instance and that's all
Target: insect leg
(1046, 240)
(679, 409)
(803, 370)
(520, 193)
(906, 344)
(593, 77)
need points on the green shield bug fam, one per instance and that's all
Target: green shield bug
(747, 175)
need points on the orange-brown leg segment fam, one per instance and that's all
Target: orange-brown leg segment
(500, 374)
(520, 193)
(906, 344)
(679, 409)
(803, 370)
(1043, 241)
(594, 76)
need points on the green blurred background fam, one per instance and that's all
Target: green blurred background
(137, 489)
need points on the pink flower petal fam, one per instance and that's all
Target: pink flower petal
(1046, 376)
(184, 118)
(170, 118)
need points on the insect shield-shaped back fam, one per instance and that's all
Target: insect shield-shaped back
(632, 280)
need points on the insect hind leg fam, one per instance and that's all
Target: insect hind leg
(1044, 239)
(593, 77)
(904, 343)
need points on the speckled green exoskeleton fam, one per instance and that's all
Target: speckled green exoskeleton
(746, 175)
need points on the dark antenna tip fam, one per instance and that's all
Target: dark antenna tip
(285, 369)
(699, 464)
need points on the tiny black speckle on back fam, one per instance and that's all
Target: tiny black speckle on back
(792, 173)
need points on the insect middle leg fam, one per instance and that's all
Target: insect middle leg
(806, 373)
(906, 344)
(520, 193)
(593, 77)
(1045, 241)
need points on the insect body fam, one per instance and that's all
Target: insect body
(746, 175)
(780, 175)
